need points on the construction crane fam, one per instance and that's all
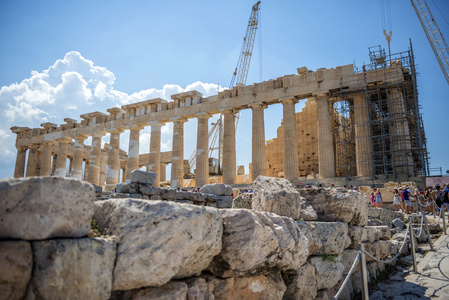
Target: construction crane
(434, 35)
(240, 74)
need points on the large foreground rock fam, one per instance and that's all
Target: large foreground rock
(338, 205)
(73, 269)
(38, 208)
(243, 201)
(159, 240)
(276, 195)
(172, 290)
(145, 177)
(325, 237)
(16, 263)
(328, 271)
(258, 243)
(301, 284)
(218, 189)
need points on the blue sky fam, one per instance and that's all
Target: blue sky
(64, 58)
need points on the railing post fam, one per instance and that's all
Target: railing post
(412, 245)
(444, 221)
(363, 273)
(429, 238)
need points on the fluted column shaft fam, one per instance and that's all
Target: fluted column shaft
(46, 159)
(93, 175)
(133, 151)
(258, 141)
(154, 164)
(177, 165)
(19, 170)
(31, 163)
(362, 134)
(202, 152)
(291, 167)
(61, 163)
(103, 165)
(113, 169)
(162, 171)
(229, 159)
(326, 157)
(77, 164)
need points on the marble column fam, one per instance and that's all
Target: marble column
(113, 169)
(229, 158)
(53, 164)
(326, 157)
(258, 141)
(291, 166)
(154, 164)
(162, 171)
(103, 164)
(177, 166)
(61, 163)
(19, 170)
(202, 152)
(31, 163)
(46, 158)
(78, 153)
(133, 151)
(362, 134)
(95, 159)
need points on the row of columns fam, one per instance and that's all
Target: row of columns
(110, 174)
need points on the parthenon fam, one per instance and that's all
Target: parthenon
(362, 123)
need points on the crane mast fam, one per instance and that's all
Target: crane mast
(433, 34)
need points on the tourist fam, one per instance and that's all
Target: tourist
(372, 199)
(402, 199)
(378, 199)
(429, 200)
(396, 200)
(408, 202)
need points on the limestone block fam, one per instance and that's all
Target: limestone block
(159, 240)
(308, 213)
(301, 284)
(122, 188)
(378, 249)
(347, 259)
(357, 281)
(322, 295)
(374, 212)
(357, 234)
(173, 290)
(222, 201)
(257, 242)
(243, 201)
(38, 208)
(348, 241)
(338, 205)
(325, 237)
(16, 261)
(345, 293)
(199, 289)
(73, 269)
(388, 215)
(378, 232)
(218, 189)
(147, 190)
(398, 223)
(276, 195)
(328, 272)
(139, 176)
(261, 287)
(372, 269)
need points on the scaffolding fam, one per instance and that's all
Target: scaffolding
(396, 143)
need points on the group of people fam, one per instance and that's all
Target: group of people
(425, 200)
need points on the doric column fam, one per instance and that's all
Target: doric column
(326, 157)
(31, 163)
(177, 165)
(154, 164)
(77, 164)
(202, 152)
(162, 171)
(93, 175)
(291, 167)
(19, 170)
(103, 164)
(113, 169)
(86, 170)
(258, 143)
(362, 134)
(61, 163)
(46, 158)
(229, 159)
(133, 151)
(53, 164)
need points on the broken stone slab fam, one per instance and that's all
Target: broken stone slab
(357, 234)
(301, 284)
(218, 189)
(337, 205)
(161, 240)
(258, 242)
(375, 233)
(122, 188)
(328, 270)
(276, 195)
(261, 287)
(308, 213)
(325, 237)
(173, 290)
(145, 177)
(383, 214)
(72, 269)
(398, 223)
(16, 261)
(243, 201)
(38, 208)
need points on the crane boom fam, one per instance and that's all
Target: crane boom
(241, 71)
(433, 34)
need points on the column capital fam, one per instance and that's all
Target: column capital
(136, 127)
(203, 115)
(321, 94)
(228, 111)
(156, 123)
(49, 143)
(117, 131)
(258, 106)
(23, 148)
(288, 100)
(64, 140)
(178, 120)
(97, 135)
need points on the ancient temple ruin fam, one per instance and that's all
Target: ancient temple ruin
(362, 123)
